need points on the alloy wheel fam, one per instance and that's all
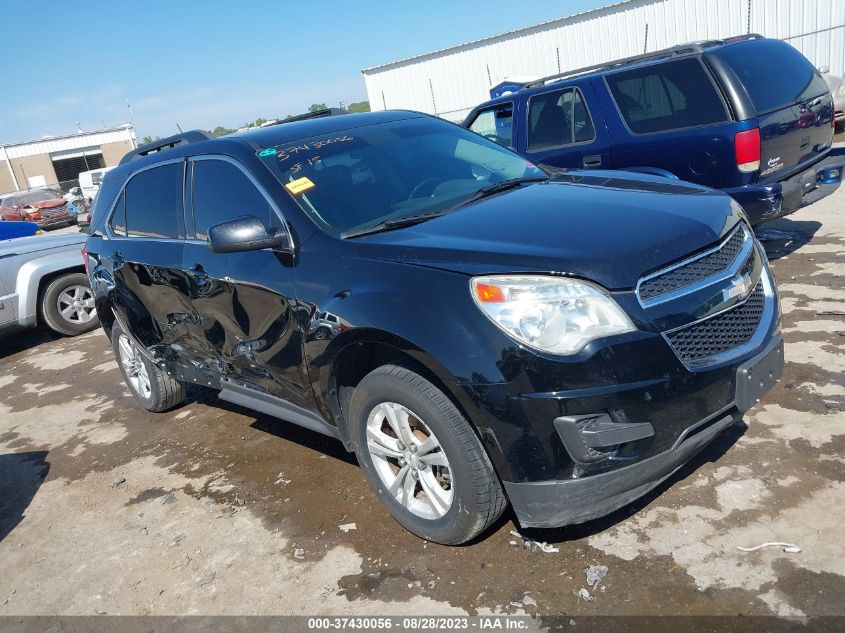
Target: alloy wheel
(133, 365)
(409, 460)
(76, 304)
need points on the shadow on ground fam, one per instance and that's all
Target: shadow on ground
(26, 339)
(784, 236)
(21, 475)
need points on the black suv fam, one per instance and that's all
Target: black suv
(477, 331)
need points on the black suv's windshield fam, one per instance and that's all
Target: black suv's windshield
(392, 174)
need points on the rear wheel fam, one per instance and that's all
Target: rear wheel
(422, 458)
(67, 305)
(152, 387)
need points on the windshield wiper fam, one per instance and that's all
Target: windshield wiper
(489, 190)
(391, 223)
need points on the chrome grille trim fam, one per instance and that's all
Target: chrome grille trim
(738, 261)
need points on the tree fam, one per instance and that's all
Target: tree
(259, 122)
(221, 131)
(149, 139)
(359, 106)
(315, 107)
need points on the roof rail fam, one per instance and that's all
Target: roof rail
(313, 115)
(192, 136)
(681, 49)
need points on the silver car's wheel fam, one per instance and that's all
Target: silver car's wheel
(76, 304)
(134, 367)
(68, 306)
(409, 460)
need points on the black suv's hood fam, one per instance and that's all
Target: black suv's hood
(610, 227)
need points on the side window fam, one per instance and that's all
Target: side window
(496, 124)
(154, 202)
(582, 122)
(223, 192)
(558, 118)
(668, 96)
(118, 217)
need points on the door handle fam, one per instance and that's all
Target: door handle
(591, 161)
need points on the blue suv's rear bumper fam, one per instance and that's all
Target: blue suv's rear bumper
(767, 202)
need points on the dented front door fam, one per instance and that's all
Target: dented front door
(245, 325)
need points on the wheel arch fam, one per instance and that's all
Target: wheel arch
(33, 278)
(365, 351)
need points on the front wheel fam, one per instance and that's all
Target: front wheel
(422, 458)
(152, 387)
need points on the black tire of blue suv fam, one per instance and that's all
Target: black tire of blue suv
(477, 498)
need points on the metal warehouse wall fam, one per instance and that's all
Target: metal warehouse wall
(450, 82)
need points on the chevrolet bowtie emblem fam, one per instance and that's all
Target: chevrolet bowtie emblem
(740, 286)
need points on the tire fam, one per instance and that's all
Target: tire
(60, 309)
(468, 483)
(152, 387)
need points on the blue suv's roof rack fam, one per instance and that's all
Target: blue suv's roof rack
(192, 136)
(681, 49)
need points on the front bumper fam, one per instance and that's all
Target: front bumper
(55, 220)
(767, 202)
(558, 502)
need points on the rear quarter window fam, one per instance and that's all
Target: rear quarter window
(774, 74)
(667, 96)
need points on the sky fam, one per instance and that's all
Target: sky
(204, 64)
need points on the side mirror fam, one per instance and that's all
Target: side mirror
(246, 233)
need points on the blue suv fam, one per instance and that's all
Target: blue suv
(748, 115)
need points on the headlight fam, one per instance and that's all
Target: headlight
(551, 314)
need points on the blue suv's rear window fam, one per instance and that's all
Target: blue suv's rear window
(667, 96)
(774, 74)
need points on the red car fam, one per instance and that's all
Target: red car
(45, 207)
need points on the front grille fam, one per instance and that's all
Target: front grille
(48, 213)
(722, 332)
(701, 268)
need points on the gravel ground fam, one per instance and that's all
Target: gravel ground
(213, 509)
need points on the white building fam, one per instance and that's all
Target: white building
(451, 81)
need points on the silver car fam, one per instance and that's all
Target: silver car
(42, 279)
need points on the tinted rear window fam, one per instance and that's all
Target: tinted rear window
(154, 202)
(774, 74)
(667, 96)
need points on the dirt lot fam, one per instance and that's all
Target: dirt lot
(212, 509)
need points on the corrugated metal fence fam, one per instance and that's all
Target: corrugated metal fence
(450, 82)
